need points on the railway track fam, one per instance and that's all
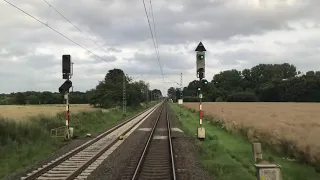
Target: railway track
(156, 160)
(73, 164)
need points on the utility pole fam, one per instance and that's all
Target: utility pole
(147, 92)
(124, 99)
(200, 62)
(181, 95)
(163, 94)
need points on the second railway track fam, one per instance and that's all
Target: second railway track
(156, 160)
(72, 164)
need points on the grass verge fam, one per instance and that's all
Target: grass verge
(229, 155)
(25, 142)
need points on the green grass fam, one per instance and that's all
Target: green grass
(229, 156)
(26, 142)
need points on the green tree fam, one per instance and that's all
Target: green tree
(229, 81)
(20, 98)
(32, 99)
(109, 92)
(46, 97)
(172, 93)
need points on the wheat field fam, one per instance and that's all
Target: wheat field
(21, 112)
(296, 125)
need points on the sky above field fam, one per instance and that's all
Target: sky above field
(236, 33)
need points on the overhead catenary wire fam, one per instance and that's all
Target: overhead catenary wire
(77, 28)
(154, 26)
(57, 32)
(136, 78)
(56, 10)
(61, 34)
(155, 33)
(173, 81)
(155, 47)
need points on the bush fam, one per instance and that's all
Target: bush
(269, 94)
(219, 99)
(190, 99)
(242, 97)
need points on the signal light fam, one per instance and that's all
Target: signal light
(199, 89)
(201, 57)
(204, 81)
(66, 64)
(200, 62)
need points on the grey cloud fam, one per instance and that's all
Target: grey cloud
(221, 21)
(109, 59)
(168, 60)
(252, 57)
(112, 49)
(304, 55)
(39, 61)
(124, 22)
(136, 69)
(122, 25)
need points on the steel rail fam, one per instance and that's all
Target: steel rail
(171, 149)
(64, 157)
(146, 147)
(95, 157)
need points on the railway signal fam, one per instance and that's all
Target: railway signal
(200, 65)
(66, 66)
(200, 61)
(65, 87)
(67, 72)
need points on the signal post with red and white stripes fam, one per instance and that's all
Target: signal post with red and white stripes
(66, 96)
(67, 72)
(200, 62)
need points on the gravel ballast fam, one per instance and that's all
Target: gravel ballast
(63, 150)
(118, 163)
(185, 151)
(115, 165)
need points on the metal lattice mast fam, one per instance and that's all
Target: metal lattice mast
(181, 95)
(181, 88)
(124, 99)
(147, 92)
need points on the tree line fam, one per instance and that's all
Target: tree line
(46, 97)
(263, 82)
(108, 93)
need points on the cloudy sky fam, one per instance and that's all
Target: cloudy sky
(236, 33)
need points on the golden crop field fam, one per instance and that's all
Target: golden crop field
(296, 123)
(19, 112)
